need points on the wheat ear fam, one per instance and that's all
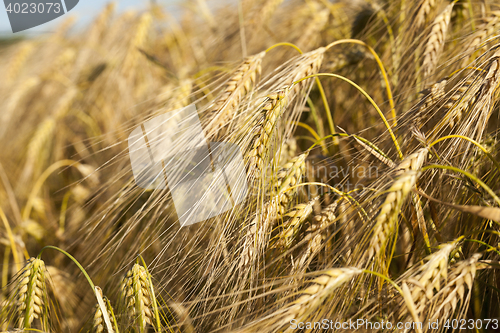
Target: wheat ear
(137, 296)
(182, 95)
(297, 215)
(386, 220)
(432, 95)
(45, 131)
(462, 275)
(288, 176)
(484, 31)
(312, 31)
(99, 321)
(424, 9)
(435, 44)
(19, 60)
(261, 134)
(307, 64)
(318, 291)
(268, 9)
(138, 40)
(255, 237)
(315, 234)
(238, 86)
(456, 105)
(15, 98)
(429, 277)
(31, 292)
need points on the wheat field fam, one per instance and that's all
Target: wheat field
(369, 132)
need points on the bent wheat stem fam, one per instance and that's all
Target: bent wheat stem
(38, 185)
(380, 65)
(465, 173)
(72, 259)
(369, 99)
(471, 141)
(10, 236)
(321, 91)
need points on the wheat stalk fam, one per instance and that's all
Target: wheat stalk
(31, 291)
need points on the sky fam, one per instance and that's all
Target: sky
(84, 11)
